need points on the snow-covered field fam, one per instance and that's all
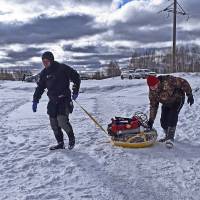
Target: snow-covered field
(95, 169)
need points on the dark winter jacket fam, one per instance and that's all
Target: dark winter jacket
(56, 79)
(170, 91)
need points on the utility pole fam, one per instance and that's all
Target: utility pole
(174, 66)
(174, 8)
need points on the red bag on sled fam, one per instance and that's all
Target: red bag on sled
(122, 125)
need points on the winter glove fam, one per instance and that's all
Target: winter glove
(75, 89)
(190, 99)
(150, 123)
(74, 96)
(74, 92)
(34, 106)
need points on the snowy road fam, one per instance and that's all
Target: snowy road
(95, 169)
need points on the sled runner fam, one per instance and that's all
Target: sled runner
(131, 132)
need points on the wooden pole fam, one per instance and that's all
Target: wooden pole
(174, 67)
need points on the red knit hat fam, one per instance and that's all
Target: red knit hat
(152, 80)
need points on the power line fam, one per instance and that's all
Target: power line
(176, 9)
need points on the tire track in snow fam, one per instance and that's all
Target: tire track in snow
(188, 128)
(95, 170)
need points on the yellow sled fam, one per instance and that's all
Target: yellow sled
(140, 140)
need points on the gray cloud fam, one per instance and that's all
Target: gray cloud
(60, 2)
(188, 35)
(4, 13)
(131, 33)
(89, 63)
(96, 55)
(94, 61)
(44, 29)
(108, 2)
(102, 56)
(143, 26)
(39, 2)
(192, 8)
(150, 26)
(85, 49)
(23, 55)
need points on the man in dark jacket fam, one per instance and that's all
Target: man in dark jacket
(170, 92)
(56, 78)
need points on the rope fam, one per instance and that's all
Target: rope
(92, 118)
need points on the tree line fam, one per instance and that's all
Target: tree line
(10, 74)
(160, 60)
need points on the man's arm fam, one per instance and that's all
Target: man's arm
(184, 85)
(154, 104)
(75, 78)
(40, 88)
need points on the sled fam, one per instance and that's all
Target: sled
(132, 132)
(128, 132)
(139, 140)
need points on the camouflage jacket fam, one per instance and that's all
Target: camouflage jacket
(170, 90)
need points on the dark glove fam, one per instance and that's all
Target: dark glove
(190, 99)
(74, 96)
(34, 106)
(150, 123)
(75, 89)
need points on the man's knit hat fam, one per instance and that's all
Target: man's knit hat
(48, 55)
(152, 80)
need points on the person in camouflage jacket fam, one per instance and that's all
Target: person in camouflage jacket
(170, 91)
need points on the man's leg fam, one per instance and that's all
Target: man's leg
(172, 121)
(58, 134)
(164, 121)
(63, 122)
(173, 117)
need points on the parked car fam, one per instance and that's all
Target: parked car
(143, 73)
(152, 73)
(127, 74)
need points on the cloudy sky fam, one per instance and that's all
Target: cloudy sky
(88, 32)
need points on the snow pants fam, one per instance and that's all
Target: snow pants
(59, 119)
(170, 112)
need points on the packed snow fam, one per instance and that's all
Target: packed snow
(95, 169)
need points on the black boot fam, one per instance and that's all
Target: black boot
(71, 137)
(71, 143)
(170, 139)
(64, 123)
(57, 133)
(58, 146)
(165, 138)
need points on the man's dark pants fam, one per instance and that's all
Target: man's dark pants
(170, 112)
(59, 119)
